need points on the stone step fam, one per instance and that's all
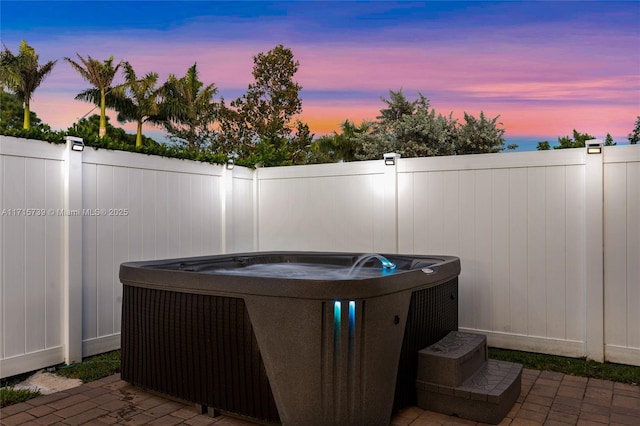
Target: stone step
(453, 359)
(487, 396)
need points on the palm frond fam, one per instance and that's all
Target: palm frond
(89, 95)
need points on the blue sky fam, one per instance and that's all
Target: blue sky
(544, 67)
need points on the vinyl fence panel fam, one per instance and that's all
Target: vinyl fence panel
(140, 207)
(333, 207)
(517, 222)
(622, 254)
(31, 263)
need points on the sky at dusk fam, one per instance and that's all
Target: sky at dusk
(545, 67)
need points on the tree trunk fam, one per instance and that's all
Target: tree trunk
(27, 116)
(139, 135)
(103, 115)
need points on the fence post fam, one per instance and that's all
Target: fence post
(594, 240)
(256, 209)
(388, 242)
(72, 283)
(227, 208)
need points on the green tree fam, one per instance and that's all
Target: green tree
(189, 110)
(375, 144)
(273, 99)
(138, 100)
(340, 147)
(12, 113)
(578, 140)
(479, 136)
(608, 141)
(22, 75)
(100, 75)
(299, 144)
(543, 146)
(322, 150)
(89, 126)
(402, 127)
(634, 136)
(410, 128)
(427, 134)
(261, 124)
(398, 106)
(413, 129)
(114, 138)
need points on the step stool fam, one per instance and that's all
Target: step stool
(456, 378)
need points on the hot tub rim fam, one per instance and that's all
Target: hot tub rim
(149, 274)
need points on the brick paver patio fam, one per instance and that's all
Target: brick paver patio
(547, 398)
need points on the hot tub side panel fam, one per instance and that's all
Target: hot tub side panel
(433, 313)
(331, 362)
(197, 348)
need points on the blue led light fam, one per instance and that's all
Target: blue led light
(337, 314)
(387, 264)
(352, 313)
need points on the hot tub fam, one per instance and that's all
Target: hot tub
(297, 338)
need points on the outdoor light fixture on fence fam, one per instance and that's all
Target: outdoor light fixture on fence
(230, 164)
(77, 144)
(594, 147)
(390, 158)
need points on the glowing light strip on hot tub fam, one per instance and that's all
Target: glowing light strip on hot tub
(337, 320)
(352, 315)
(351, 337)
(344, 353)
(337, 315)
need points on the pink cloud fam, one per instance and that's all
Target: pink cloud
(622, 89)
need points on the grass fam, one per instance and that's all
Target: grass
(10, 396)
(92, 368)
(573, 366)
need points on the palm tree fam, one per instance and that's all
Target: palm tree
(189, 108)
(137, 99)
(22, 75)
(342, 146)
(100, 75)
(348, 142)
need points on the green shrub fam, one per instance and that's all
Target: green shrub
(150, 147)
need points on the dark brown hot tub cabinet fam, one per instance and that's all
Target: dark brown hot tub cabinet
(291, 349)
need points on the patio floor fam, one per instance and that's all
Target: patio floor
(547, 398)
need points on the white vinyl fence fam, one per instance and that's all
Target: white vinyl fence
(622, 255)
(69, 219)
(549, 241)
